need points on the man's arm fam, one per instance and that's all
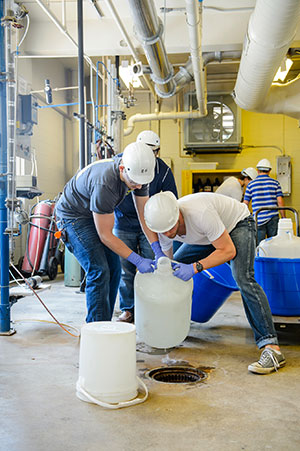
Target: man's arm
(139, 203)
(104, 226)
(225, 251)
(280, 203)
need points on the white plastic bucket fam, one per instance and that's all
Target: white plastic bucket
(107, 365)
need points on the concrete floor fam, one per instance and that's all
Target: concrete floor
(232, 410)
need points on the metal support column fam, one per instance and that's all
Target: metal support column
(4, 241)
(81, 85)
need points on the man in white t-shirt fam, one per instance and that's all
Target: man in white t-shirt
(234, 187)
(223, 230)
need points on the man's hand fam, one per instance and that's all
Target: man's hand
(143, 264)
(183, 271)
(157, 251)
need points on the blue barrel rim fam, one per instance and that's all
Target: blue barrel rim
(281, 259)
(230, 287)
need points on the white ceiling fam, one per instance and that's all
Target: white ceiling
(221, 30)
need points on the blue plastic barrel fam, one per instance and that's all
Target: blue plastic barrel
(280, 279)
(210, 292)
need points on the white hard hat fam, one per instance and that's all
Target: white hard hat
(161, 212)
(149, 137)
(139, 162)
(264, 165)
(250, 172)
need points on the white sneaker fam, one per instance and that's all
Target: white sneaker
(270, 360)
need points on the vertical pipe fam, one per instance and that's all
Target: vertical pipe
(4, 244)
(81, 85)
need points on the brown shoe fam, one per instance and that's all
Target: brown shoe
(126, 317)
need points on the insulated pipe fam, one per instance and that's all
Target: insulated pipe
(126, 37)
(271, 29)
(4, 242)
(159, 117)
(194, 23)
(149, 30)
(81, 86)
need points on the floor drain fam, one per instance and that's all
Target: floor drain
(177, 375)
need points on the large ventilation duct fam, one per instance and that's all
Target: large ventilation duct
(271, 29)
(149, 31)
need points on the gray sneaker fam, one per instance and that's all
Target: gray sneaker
(269, 361)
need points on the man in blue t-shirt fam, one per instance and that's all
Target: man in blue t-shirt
(85, 215)
(127, 226)
(265, 192)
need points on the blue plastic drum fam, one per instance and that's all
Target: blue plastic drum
(280, 279)
(210, 292)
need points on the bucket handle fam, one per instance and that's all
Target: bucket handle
(119, 405)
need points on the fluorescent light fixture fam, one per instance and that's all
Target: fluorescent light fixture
(283, 69)
(127, 75)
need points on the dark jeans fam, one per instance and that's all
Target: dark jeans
(139, 244)
(101, 265)
(268, 229)
(255, 302)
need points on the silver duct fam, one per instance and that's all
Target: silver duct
(149, 30)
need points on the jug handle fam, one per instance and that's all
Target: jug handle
(118, 405)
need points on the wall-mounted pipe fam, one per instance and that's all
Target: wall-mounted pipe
(159, 116)
(194, 23)
(271, 29)
(149, 30)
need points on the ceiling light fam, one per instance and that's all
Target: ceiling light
(283, 69)
(128, 77)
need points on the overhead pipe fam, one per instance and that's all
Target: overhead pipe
(271, 29)
(149, 30)
(185, 73)
(194, 23)
(64, 31)
(127, 39)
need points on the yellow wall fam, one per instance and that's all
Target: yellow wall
(257, 130)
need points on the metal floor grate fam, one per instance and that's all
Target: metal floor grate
(177, 375)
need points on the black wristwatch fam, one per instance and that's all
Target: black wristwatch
(199, 267)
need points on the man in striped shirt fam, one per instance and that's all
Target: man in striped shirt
(265, 192)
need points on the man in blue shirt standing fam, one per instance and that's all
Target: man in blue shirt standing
(127, 226)
(265, 192)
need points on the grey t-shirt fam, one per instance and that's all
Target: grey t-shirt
(96, 188)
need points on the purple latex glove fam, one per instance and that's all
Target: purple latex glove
(157, 251)
(183, 271)
(143, 264)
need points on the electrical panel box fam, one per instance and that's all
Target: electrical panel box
(219, 131)
(28, 109)
(284, 174)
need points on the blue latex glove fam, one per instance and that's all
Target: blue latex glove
(183, 271)
(143, 264)
(157, 251)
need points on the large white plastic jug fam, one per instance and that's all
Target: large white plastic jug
(284, 245)
(162, 306)
(107, 365)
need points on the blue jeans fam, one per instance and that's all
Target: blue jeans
(101, 265)
(139, 244)
(255, 301)
(268, 229)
